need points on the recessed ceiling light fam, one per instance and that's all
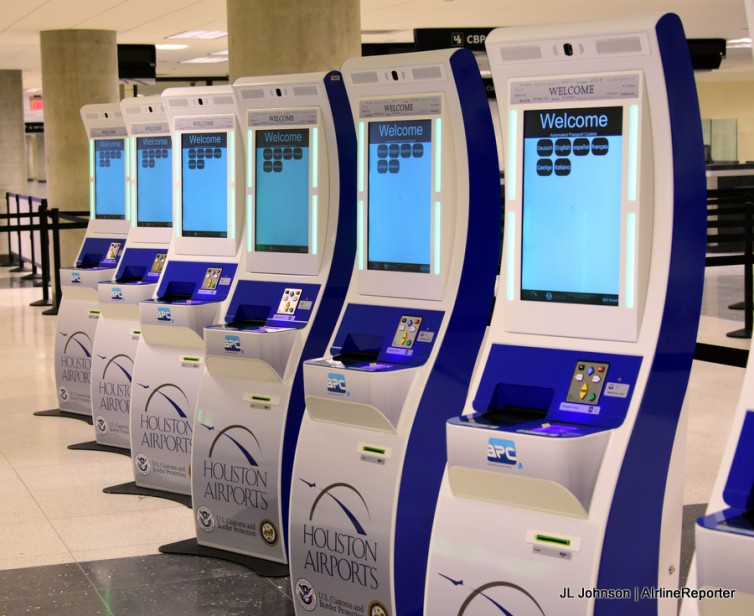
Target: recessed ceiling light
(738, 43)
(170, 46)
(224, 52)
(199, 34)
(205, 60)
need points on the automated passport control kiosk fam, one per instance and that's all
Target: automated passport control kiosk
(720, 580)
(195, 285)
(370, 452)
(100, 252)
(563, 490)
(149, 185)
(297, 262)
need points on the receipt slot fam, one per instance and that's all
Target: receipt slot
(297, 263)
(100, 252)
(563, 488)
(370, 453)
(194, 289)
(149, 186)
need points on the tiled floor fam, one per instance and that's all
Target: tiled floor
(67, 548)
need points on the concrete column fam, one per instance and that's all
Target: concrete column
(291, 36)
(12, 141)
(39, 164)
(78, 67)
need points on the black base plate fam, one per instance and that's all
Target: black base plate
(133, 489)
(260, 566)
(66, 414)
(95, 446)
(740, 333)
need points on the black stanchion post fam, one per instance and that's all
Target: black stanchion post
(9, 261)
(20, 267)
(58, 292)
(748, 271)
(44, 249)
(33, 275)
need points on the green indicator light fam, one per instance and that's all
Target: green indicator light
(261, 398)
(191, 359)
(177, 211)
(232, 187)
(512, 170)
(91, 179)
(127, 165)
(249, 157)
(91, 199)
(360, 235)
(510, 241)
(248, 223)
(232, 156)
(91, 158)
(438, 155)
(438, 237)
(555, 540)
(315, 157)
(136, 332)
(360, 160)
(633, 150)
(368, 449)
(315, 222)
(630, 259)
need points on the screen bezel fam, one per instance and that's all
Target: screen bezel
(576, 320)
(412, 285)
(110, 217)
(136, 200)
(304, 263)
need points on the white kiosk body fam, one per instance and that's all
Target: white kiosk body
(296, 266)
(195, 285)
(563, 490)
(100, 252)
(370, 457)
(720, 581)
(150, 186)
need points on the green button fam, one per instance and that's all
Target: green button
(592, 397)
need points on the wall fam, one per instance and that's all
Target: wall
(731, 99)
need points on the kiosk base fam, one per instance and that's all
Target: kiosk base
(95, 446)
(66, 414)
(131, 488)
(260, 566)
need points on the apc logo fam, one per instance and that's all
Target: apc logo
(336, 383)
(117, 294)
(75, 278)
(163, 314)
(233, 344)
(501, 451)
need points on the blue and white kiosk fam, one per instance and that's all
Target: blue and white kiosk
(720, 581)
(100, 252)
(563, 489)
(149, 185)
(296, 266)
(193, 291)
(370, 452)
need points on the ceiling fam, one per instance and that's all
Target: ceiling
(152, 21)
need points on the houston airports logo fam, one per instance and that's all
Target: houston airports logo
(75, 367)
(336, 383)
(342, 550)
(233, 474)
(164, 422)
(233, 344)
(495, 598)
(114, 386)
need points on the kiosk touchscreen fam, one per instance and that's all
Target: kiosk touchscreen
(194, 288)
(370, 452)
(98, 257)
(149, 169)
(720, 580)
(563, 488)
(296, 266)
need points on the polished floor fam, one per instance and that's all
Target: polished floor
(67, 548)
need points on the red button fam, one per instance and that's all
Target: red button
(600, 368)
